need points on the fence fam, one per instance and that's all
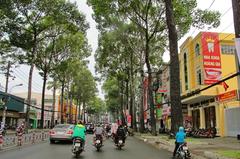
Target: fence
(31, 138)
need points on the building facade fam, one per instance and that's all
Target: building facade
(35, 112)
(70, 111)
(15, 107)
(205, 60)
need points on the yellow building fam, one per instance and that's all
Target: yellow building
(204, 60)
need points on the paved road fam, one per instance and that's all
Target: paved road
(134, 149)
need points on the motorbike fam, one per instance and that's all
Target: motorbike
(120, 144)
(77, 147)
(98, 142)
(109, 134)
(183, 152)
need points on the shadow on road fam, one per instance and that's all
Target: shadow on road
(62, 143)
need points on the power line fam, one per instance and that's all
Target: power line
(23, 80)
(23, 73)
(211, 4)
(222, 15)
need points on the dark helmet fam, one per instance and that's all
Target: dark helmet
(80, 122)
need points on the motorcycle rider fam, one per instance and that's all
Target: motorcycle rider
(79, 131)
(180, 139)
(120, 134)
(98, 131)
(108, 128)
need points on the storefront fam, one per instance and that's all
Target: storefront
(11, 119)
(33, 119)
(210, 117)
(203, 114)
(14, 105)
(196, 118)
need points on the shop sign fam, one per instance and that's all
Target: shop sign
(166, 111)
(227, 96)
(11, 114)
(237, 44)
(158, 98)
(129, 119)
(211, 57)
(159, 113)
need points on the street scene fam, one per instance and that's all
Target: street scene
(63, 151)
(156, 79)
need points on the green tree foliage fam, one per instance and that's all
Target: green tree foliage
(96, 106)
(148, 17)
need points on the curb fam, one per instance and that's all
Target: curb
(211, 155)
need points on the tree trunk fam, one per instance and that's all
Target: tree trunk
(29, 95)
(132, 103)
(236, 12)
(71, 114)
(84, 109)
(141, 106)
(122, 104)
(67, 104)
(62, 96)
(43, 99)
(53, 105)
(150, 90)
(79, 109)
(176, 107)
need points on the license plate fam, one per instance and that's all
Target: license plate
(185, 148)
(77, 144)
(60, 133)
(98, 141)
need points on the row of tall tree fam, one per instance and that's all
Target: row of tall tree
(133, 37)
(49, 35)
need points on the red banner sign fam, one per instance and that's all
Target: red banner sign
(211, 57)
(227, 96)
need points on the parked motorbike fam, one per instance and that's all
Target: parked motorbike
(77, 147)
(98, 142)
(183, 152)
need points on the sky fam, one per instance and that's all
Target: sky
(21, 73)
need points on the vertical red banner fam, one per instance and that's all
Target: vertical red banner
(211, 57)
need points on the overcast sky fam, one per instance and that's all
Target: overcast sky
(21, 73)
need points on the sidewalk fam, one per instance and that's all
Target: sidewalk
(217, 148)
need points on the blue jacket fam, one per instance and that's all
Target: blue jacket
(180, 136)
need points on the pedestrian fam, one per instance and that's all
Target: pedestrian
(20, 132)
(180, 139)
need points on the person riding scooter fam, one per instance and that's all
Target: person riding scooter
(120, 134)
(79, 131)
(180, 139)
(98, 131)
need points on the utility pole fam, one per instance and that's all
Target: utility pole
(236, 19)
(6, 95)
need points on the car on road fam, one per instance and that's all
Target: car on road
(61, 132)
(89, 128)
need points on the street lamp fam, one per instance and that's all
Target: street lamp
(4, 102)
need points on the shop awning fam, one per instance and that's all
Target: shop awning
(196, 99)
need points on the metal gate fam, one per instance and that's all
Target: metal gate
(232, 121)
